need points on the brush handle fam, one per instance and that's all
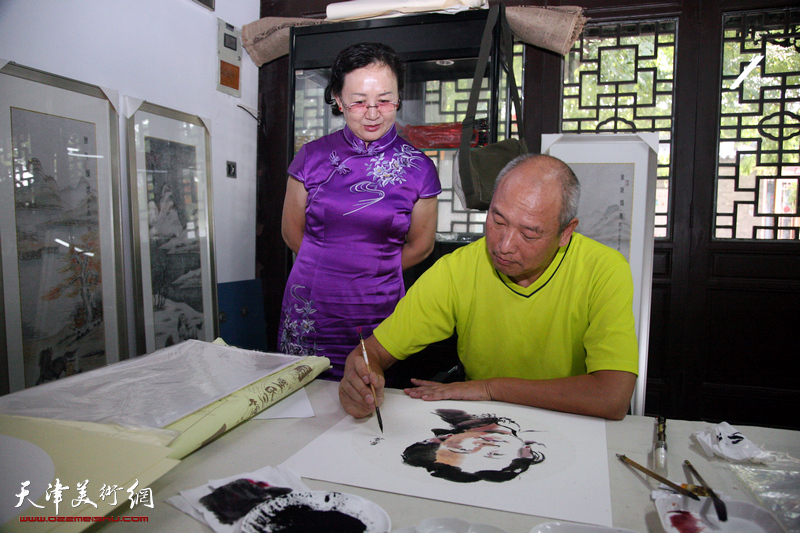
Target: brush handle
(719, 505)
(657, 477)
(371, 386)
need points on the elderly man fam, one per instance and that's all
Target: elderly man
(543, 314)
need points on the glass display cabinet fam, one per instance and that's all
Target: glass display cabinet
(440, 54)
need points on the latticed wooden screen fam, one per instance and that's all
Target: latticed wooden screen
(759, 129)
(620, 78)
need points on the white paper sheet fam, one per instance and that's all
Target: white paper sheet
(355, 9)
(572, 483)
(295, 406)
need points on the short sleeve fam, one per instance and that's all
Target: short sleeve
(430, 181)
(297, 168)
(426, 314)
(610, 339)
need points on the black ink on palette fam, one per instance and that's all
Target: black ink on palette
(301, 518)
(474, 448)
(234, 500)
(375, 441)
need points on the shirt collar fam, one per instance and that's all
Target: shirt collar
(542, 280)
(375, 146)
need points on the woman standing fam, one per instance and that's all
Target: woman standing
(360, 208)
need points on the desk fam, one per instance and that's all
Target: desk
(258, 443)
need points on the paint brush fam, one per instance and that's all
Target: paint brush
(371, 386)
(662, 479)
(719, 505)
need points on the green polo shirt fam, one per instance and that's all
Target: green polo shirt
(575, 319)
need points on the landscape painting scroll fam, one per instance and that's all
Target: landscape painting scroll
(61, 240)
(169, 167)
(485, 454)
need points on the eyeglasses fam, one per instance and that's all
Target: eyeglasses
(360, 108)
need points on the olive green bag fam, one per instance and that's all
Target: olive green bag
(477, 168)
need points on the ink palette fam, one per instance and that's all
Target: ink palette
(682, 515)
(450, 525)
(571, 527)
(318, 510)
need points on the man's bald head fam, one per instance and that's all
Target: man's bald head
(542, 168)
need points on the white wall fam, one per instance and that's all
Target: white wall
(164, 52)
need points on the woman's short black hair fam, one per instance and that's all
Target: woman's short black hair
(358, 56)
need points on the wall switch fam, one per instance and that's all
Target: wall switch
(230, 169)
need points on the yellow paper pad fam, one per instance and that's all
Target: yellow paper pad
(81, 452)
(208, 423)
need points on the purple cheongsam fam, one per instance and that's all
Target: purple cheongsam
(348, 271)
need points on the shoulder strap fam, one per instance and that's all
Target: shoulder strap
(496, 14)
(507, 58)
(467, 126)
(480, 70)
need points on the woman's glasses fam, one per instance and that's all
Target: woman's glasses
(360, 108)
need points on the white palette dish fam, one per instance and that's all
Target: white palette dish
(571, 527)
(450, 525)
(679, 514)
(263, 518)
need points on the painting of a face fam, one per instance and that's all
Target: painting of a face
(481, 454)
(476, 448)
(475, 451)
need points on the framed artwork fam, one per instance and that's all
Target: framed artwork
(169, 162)
(617, 172)
(60, 233)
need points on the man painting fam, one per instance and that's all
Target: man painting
(543, 314)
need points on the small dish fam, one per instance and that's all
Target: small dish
(450, 525)
(679, 514)
(571, 527)
(299, 511)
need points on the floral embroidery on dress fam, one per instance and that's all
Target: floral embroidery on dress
(385, 172)
(296, 329)
(337, 163)
(391, 171)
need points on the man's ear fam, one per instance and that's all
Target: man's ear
(567, 233)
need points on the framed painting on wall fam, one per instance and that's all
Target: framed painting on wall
(60, 234)
(169, 162)
(617, 172)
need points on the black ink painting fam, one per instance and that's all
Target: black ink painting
(58, 245)
(474, 448)
(175, 262)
